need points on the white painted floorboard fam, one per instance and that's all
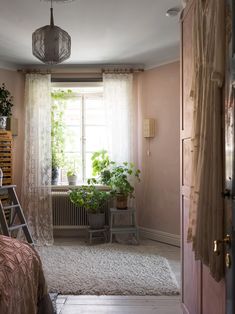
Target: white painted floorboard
(118, 305)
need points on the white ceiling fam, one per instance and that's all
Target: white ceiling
(102, 31)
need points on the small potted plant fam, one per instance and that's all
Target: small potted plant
(54, 168)
(57, 161)
(72, 173)
(94, 201)
(5, 106)
(72, 177)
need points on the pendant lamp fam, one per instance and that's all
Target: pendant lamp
(50, 43)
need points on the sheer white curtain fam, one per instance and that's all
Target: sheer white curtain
(118, 98)
(36, 181)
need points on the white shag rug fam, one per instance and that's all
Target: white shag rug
(107, 269)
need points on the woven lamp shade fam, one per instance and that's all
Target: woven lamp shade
(51, 44)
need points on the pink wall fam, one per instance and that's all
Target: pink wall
(158, 199)
(15, 84)
(158, 96)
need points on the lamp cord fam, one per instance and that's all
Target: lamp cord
(52, 18)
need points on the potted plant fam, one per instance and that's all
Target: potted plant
(55, 164)
(72, 171)
(72, 177)
(120, 178)
(94, 202)
(5, 106)
(122, 181)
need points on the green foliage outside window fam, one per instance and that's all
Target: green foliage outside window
(58, 127)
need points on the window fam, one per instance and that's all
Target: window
(85, 129)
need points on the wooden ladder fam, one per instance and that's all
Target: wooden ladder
(15, 212)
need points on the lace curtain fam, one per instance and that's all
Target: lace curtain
(206, 203)
(36, 181)
(118, 99)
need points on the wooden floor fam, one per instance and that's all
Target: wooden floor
(118, 305)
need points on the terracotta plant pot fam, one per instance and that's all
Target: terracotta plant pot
(121, 201)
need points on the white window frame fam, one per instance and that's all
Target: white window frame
(82, 95)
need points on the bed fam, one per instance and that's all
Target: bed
(23, 288)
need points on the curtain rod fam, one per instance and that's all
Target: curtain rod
(76, 80)
(121, 71)
(37, 71)
(34, 71)
(100, 72)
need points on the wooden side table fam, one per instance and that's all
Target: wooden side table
(131, 228)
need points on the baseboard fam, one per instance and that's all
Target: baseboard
(165, 237)
(151, 234)
(69, 233)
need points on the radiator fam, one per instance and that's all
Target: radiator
(68, 216)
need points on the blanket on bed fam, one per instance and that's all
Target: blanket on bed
(23, 288)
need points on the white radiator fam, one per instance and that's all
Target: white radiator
(66, 215)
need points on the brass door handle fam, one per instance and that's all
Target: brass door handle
(218, 243)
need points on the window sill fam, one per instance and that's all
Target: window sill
(65, 188)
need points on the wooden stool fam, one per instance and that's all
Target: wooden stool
(98, 234)
(131, 228)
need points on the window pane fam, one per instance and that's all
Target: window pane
(73, 139)
(72, 113)
(96, 138)
(87, 102)
(88, 171)
(95, 111)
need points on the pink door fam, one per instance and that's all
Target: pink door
(201, 294)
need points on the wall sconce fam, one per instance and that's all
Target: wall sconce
(149, 128)
(149, 132)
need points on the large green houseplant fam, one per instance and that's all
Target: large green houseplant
(119, 177)
(5, 106)
(93, 200)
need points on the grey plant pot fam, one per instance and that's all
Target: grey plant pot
(3, 122)
(54, 176)
(96, 221)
